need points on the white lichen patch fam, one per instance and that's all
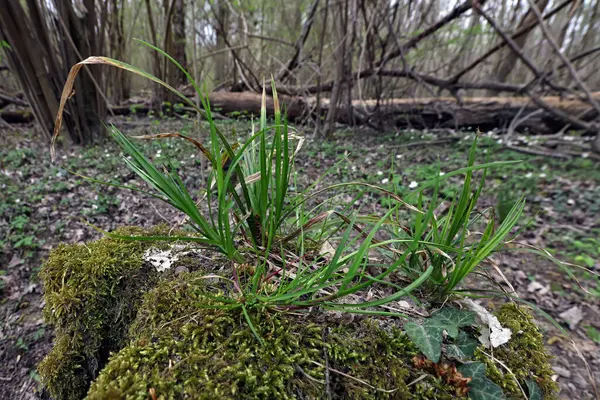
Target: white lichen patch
(162, 260)
(492, 332)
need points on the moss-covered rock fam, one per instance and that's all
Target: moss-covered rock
(524, 357)
(91, 293)
(183, 348)
(170, 340)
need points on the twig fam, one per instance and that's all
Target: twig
(494, 359)
(307, 376)
(159, 213)
(567, 154)
(527, 150)
(14, 100)
(354, 378)
(426, 143)
(588, 369)
(327, 377)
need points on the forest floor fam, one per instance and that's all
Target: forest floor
(42, 204)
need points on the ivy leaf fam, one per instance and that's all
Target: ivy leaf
(451, 319)
(484, 389)
(473, 370)
(534, 390)
(427, 338)
(481, 388)
(463, 347)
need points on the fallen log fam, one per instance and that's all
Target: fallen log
(228, 103)
(16, 116)
(6, 99)
(484, 113)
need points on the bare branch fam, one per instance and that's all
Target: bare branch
(295, 60)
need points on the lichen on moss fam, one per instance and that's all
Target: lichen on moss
(524, 355)
(91, 293)
(181, 347)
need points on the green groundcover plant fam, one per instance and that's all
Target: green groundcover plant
(276, 237)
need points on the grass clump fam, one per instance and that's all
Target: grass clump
(91, 292)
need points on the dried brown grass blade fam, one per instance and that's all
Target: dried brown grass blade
(67, 91)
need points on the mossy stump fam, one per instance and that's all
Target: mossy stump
(125, 331)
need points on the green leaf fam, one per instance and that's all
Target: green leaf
(451, 319)
(463, 347)
(484, 389)
(534, 390)
(427, 338)
(475, 370)
(480, 388)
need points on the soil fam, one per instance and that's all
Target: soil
(52, 204)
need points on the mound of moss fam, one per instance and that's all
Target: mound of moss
(169, 340)
(92, 293)
(524, 358)
(183, 348)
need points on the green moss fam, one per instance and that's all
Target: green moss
(524, 355)
(169, 340)
(182, 348)
(91, 293)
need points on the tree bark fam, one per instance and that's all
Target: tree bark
(508, 57)
(178, 25)
(221, 28)
(41, 53)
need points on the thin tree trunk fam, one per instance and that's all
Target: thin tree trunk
(221, 28)
(508, 57)
(178, 25)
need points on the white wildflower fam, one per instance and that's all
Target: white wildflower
(379, 173)
(413, 185)
(385, 181)
(528, 175)
(542, 175)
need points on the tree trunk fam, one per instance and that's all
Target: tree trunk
(178, 25)
(41, 64)
(508, 57)
(118, 78)
(221, 28)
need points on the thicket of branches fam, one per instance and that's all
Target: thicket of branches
(335, 54)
